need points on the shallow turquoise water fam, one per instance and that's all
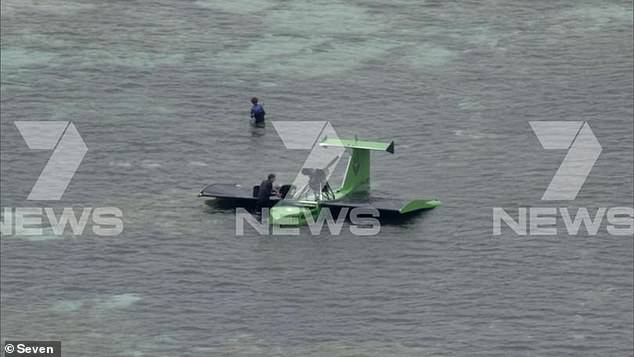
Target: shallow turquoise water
(159, 91)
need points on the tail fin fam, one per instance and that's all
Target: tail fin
(357, 179)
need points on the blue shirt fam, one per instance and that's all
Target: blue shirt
(257, 112)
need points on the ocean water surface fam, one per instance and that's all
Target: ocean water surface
(160, 90)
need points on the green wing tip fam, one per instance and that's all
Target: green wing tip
(420, 204)
(390, 148)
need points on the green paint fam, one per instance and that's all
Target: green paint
(416, 205)
(356, 181)
(359, 144)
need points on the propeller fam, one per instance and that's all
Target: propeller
(318, 178)
(310, 172)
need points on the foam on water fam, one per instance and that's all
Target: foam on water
(96, 305)
(15, 58)
(239, 7)
(54, 7)
(309, 39)
(116, 302)
(125, 57)
(474, 133)
(67, 306)
(197, 163)
(150, 164)
(471, 104)
(122, 53)
(318, 18)
(594, 17)
(429, 55)
(120, 164)
(30, 39)
(293, 56)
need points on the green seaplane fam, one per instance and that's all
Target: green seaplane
(302, 201)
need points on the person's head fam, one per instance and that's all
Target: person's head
(271, 177)
(254, 100)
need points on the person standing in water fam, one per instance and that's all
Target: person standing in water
(257, 112)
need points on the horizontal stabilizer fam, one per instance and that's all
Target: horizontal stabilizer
(358, 144)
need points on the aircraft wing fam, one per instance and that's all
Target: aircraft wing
(385, 205)
(231, 191)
